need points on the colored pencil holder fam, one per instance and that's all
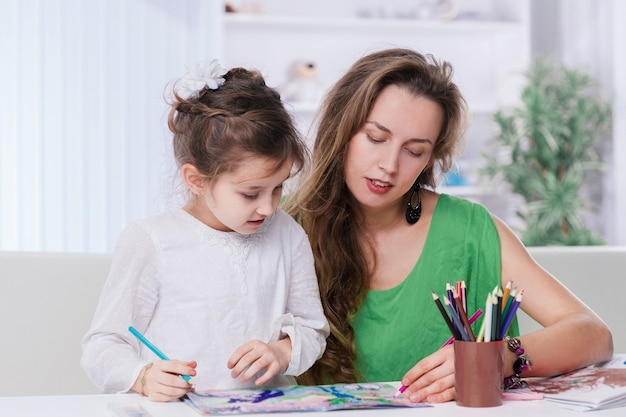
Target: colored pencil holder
(479, 373)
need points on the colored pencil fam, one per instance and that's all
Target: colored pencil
(509, 301)
(464, 295)
(154, 349)
(511, 314)
(464, 320)
(481, 332)
(455, 333)
(449, 292)
(487, 319)
(456, 320)
(471, 320)
(400, 391)
(494, 316)
(507, 291)
(498, 314)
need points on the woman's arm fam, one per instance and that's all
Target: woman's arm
(573, 336)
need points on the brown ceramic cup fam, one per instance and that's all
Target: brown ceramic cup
(478, 373)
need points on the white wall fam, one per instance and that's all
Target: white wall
(617, 216)
(590, 34)
(84, 147)
(593, 37)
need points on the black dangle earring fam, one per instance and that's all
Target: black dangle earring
(413, 213)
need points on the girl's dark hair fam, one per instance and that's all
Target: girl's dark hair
(218, 130)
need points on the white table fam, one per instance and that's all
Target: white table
(97, 406)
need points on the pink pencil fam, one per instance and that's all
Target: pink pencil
(471, 320)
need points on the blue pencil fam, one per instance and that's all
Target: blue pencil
(456, 320)
(450, 295)
(511, 314)
(507, 303)
(153, 348)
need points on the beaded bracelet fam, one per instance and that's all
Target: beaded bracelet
(521, 364)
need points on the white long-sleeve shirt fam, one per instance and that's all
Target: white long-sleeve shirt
(198, 294)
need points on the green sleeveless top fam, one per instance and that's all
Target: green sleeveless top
(396, 328)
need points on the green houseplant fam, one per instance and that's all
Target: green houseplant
(546, 147)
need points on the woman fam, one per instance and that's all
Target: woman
(383, 239)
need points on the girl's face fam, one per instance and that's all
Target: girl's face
(394, 146)
(241, 200)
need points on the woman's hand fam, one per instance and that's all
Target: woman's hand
(432, 378)
(162, 381)
(255, 356)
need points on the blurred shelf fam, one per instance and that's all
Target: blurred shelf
(303, 107)
(463, 190)
(347, 23)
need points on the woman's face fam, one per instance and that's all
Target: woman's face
(396, 143)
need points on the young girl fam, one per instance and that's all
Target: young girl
(224, 286)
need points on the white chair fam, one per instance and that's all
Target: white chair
(47, 301)
(596, 275)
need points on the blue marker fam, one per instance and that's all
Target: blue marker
(153, 348)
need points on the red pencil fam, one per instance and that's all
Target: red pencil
(463, 315)
(463, 295)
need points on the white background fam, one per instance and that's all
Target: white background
(84, 147)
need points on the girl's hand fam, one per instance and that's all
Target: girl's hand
(162, 380)
(255, 356)
(432, 378)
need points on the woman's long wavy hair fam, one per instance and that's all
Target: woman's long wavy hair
(325, 207)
